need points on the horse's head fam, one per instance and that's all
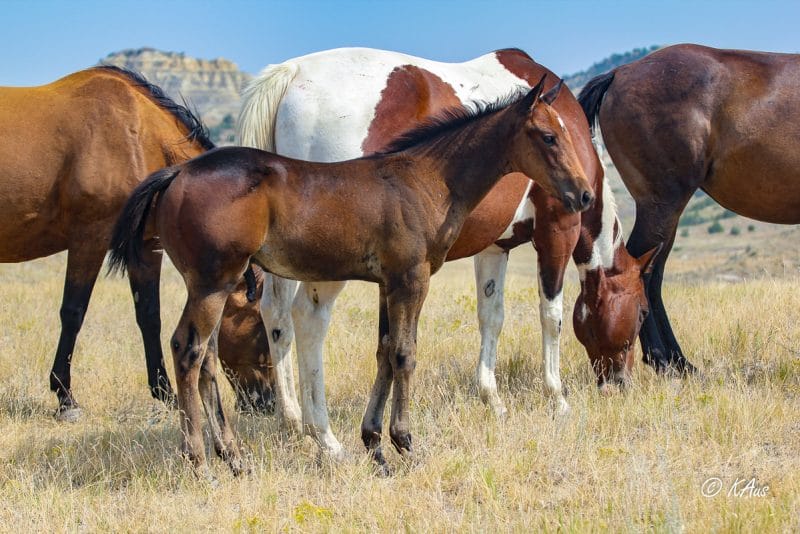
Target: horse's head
(244, 350)
(544, 150)
(608, 315)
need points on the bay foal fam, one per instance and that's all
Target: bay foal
(389, 219)
(349, 102)
(71, 152)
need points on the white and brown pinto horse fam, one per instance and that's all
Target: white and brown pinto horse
(389, 218)
(345, 103)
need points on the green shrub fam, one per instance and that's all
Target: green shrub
(715, 228)
(735, 230)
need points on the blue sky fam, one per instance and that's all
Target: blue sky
(43, 40)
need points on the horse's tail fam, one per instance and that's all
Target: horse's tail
(592, 94)
(126, 240)
(260, 101)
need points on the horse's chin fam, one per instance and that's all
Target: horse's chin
(617, 382)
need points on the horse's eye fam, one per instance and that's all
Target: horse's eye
(549, 140)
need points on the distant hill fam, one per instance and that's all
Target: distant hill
(211, 86)
(578, 80)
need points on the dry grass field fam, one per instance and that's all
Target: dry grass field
(633, 462)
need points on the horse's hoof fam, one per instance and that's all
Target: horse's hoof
(239, 468)
(205, 474)
(68, 414)
(500, 410)
(562, 408)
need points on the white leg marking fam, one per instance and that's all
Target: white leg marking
(550, 313)
(311, 313)
(490, 275)
(276, 307)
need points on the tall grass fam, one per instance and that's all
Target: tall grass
(627, 463)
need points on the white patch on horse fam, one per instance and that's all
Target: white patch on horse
(605, 244)
(584, 312)
(561, 123)
(310, 122)
(526, 211)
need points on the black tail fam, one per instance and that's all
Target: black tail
(592, 96)
(126, 241)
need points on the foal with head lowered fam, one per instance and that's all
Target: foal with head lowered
(389, 219)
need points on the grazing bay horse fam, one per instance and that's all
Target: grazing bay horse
(389, 218)
(688, 117)
(345, 103)
(70, 154)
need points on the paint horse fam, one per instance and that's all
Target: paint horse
(71, 153)
(344, 103)
(390, 219)
(688, 117)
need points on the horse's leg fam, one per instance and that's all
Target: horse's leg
(372, 424)
(675, 357)
(200, 317)
(276, 313)
(311, 314)
(83, 265)
(404, 304)
(551, 298)
(221, 432)
(490, 274)
(144, 279)
(656, 223)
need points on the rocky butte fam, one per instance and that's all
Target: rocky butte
(211, 86)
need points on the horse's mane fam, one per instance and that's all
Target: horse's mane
(197, 130)
(448, 120)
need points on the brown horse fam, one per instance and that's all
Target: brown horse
(349, 102)
(689, 117)
(71, 153)
(389, 219)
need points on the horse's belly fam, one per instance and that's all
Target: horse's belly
(767, 191)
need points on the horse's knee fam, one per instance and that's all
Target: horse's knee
(404, 362)
(186, 351)
(148, 312)
(72, 317)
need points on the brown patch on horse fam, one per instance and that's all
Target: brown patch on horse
(492, 217)
(411, 96)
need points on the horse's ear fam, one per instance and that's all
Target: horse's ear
(647, 259)
(533, 95)
(550, 96)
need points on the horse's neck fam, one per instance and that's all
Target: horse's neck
(471, 160)
(601, 234)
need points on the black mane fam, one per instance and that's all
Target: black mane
(448, 120)
(197, 130)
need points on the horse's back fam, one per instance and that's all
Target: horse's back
(317, 120)
(691, 116)
(70, 153)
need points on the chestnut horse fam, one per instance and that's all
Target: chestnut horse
(688, 117)
(389, 219)
(343, 103)
(71, 153)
